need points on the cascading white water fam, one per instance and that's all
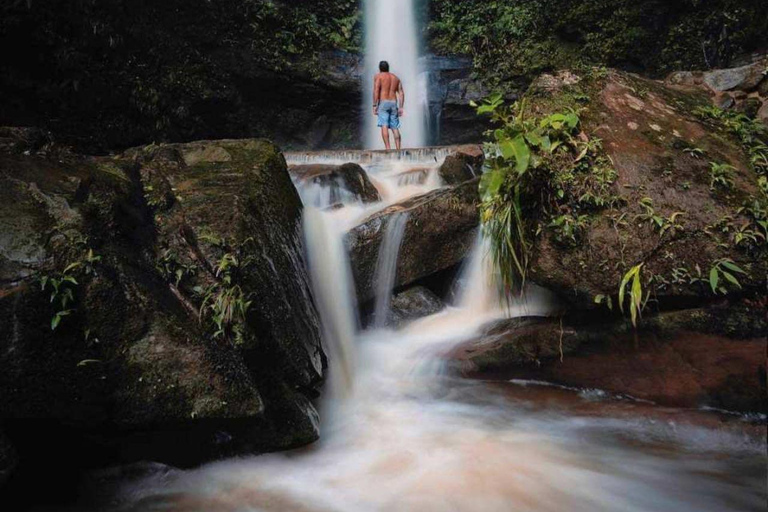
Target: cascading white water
(391, 34)
(400, 432)
(334, 296)
(386, 266)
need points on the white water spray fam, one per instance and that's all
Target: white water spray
(392, 35)
(386, 266)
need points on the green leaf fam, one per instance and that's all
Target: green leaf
(714, 279)
(522, 154)
(731, 278)
(533, 138)
(72, 266)
(491, 182)
(732, 266)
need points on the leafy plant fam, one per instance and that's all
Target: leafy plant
(662, 224)
(62, 286)
(696, 153)
(720, 176)
(224, 302)
(632, 280)
(523, 152)
(172, 269)
(724, 270)
(604, 299)
(568, 228)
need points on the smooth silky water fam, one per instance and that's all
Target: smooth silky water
(401, 432)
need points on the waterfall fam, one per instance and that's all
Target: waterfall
(478, 293)
(386, 266)
(334, 293)
(392, 35)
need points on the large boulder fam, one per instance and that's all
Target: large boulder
(702, 357)
(439, 233)
(745, 78)
(662, 154)
(189, 330)
(346, 182)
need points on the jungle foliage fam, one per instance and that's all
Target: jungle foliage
(124, 72)
(516, 40)
(543, 173)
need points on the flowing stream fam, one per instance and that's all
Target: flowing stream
(400, 432)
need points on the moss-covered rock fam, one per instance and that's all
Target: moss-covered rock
(137, 244)
(666, 211)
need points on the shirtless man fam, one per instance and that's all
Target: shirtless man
(388, 101)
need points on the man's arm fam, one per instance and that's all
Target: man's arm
(376, 92)
(400, 97)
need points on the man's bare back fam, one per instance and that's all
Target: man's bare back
(386, 86)
(388, 102)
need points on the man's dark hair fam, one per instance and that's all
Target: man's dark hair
(384, 66)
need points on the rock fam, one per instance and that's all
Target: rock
(134, 363)
(684, 78)
(724, 101)
(745, 78)
(412, 304)
(547, 83)
(441, 229)
(762, 89)
(645, 137)
(348, 182)
(205, 153)
(762, 114)
(19, 139)
(463, 165)
(8, 459)
(673, 359)
(749, 107)
(738, 95)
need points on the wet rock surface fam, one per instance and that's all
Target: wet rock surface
(135, 368)
(440, 231)
(412, 304)
(347, 181)
(463, 165)
(703, 357)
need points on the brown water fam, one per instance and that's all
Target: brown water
(412, 439)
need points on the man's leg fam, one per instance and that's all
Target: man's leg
(397, 139)
(385, 136)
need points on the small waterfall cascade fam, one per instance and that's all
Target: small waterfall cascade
(329, 214)
(386, 267)
(391, 34)
(334, 295)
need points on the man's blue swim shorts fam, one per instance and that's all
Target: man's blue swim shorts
(388, 115)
